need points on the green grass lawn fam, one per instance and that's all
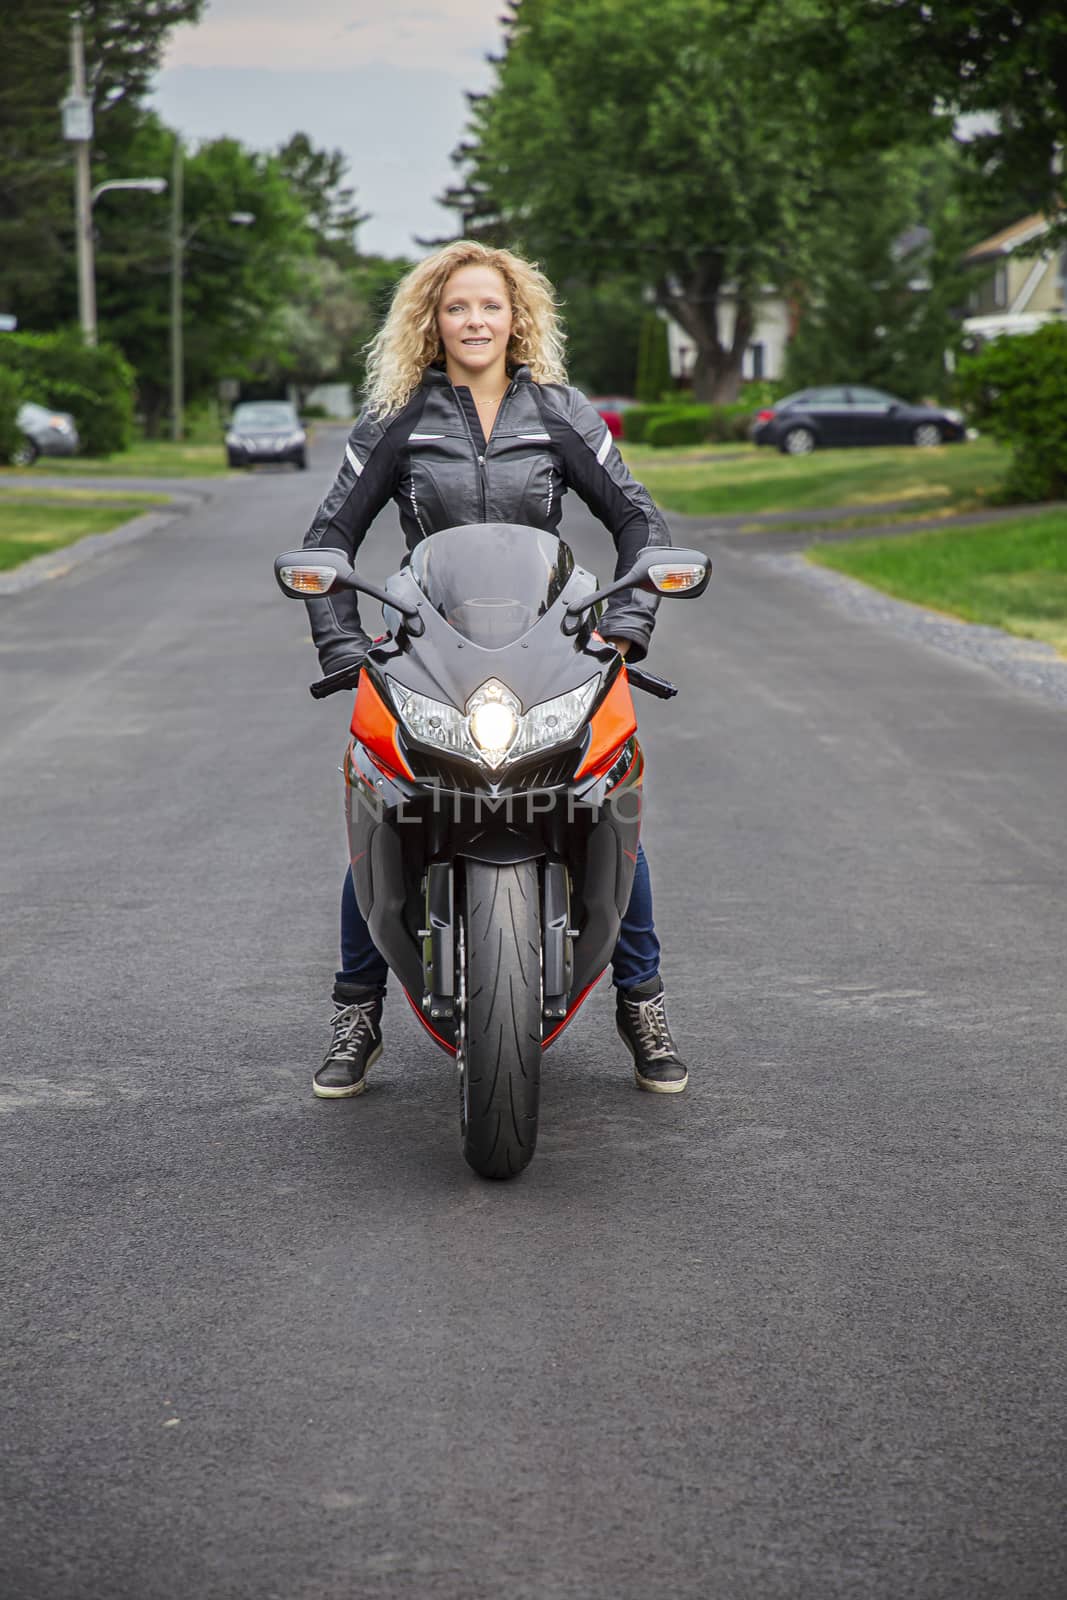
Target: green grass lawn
(148, 458)
(696, 482)
(32, 523)
(1012, 575)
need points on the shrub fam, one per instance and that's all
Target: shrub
(1016, 388)
(11, 397)
(691, 424)
(683, 425)
(635, 420)
(95, 385)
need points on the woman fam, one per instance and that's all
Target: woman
(469, 419)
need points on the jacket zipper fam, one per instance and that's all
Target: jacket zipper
(483, 486)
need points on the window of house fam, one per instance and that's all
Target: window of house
(756, 352)
(1000, 288)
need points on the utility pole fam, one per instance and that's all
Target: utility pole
(78, 130)
(177, 247)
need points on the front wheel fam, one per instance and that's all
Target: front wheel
(25, 452)
(500, 1032)
(926, 436)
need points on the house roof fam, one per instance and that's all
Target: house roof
(1008, 239)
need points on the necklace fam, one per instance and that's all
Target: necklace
(493, 402)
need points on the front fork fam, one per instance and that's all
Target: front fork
(441, 980)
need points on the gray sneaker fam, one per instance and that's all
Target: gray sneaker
(355, 1046)
(641, 1018)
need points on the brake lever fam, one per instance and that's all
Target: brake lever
(347, 678)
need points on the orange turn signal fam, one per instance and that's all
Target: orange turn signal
(670, 579)
(308, 580)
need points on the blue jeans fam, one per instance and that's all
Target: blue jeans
(634, 960)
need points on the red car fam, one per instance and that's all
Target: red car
(611, 408)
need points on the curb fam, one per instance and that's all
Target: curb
(56, 563)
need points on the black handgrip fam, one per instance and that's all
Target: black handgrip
(660, 687)
(347, 678)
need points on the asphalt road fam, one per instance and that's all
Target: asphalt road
(798, 1333)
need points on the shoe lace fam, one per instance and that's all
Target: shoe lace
(349, 1025)
(649, 1019)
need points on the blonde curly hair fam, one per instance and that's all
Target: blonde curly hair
(408, 341)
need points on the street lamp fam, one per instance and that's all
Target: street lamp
(78, 130)
(178, 242)
(152, 185)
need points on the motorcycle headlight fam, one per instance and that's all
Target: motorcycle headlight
(494, 730)
(431, 721)
(554, 720)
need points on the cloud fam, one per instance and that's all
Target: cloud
(396, 125)
(329, 34)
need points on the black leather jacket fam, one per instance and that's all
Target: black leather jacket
(432, 458)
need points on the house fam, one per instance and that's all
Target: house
(765, 354)
(1021, 284)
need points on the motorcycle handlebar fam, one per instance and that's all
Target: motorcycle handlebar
(347, 678)
(662, 688)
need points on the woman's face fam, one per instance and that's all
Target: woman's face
(474, 321)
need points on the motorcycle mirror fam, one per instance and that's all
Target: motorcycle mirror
(678, 574)
(686, 573)
(302, 574)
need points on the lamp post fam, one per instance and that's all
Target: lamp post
(178, 242)
(78, 130)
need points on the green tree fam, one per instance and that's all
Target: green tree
(237, 280)
(653, 360)
(603, 322)
(686, 140)
(320, 180)
(1016, 389)
(881, 302)
(1004, 61)
(123, 46)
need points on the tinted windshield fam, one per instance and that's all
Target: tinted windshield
(264, 416)
(492, 582)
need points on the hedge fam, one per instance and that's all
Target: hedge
(60, 371)
(665, 426)
(11, 397)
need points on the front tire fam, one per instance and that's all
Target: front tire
(501, 1037)
(25, 452)
(927, 436)
(798, 442)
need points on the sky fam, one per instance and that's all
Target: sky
(384, 86)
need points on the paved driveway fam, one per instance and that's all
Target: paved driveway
(798, 1333)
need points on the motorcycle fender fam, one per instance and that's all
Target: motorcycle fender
(384, 907)
(611, 857)
(502, 849)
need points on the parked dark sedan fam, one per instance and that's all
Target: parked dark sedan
(44, 433)
(263, 431)
(852, 414)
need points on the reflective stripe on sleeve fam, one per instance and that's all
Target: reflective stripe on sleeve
(353, 460)
(605, 446)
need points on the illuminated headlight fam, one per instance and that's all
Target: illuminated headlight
(494, 730)
(954, 416)
(493, 719)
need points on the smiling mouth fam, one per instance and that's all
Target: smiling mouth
(476, 341)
